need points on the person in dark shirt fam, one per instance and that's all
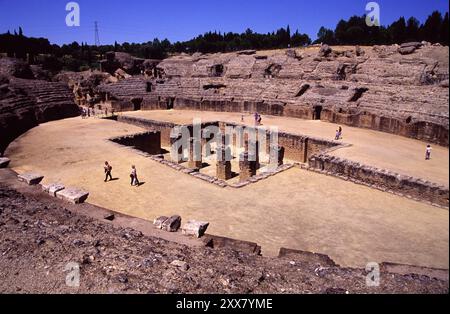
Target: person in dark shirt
(108, 170)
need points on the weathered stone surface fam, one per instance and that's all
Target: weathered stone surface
(380, 178)
(325, 50)
(181, 264)
(195, 154)
(406, 50)
(109, 216)
(24, 103)
(247, 166)
(158, 222)
(149, 143)
(403, 93)
(232, 267)
(53, 188)
(4, 162)
(195, 228)
(73, 195)
(276, 155)
(172, 224)
(414, 44)
(30, 178)
(304, 256)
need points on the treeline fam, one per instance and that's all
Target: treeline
(356, 32)
(216, 42)
(76, 57)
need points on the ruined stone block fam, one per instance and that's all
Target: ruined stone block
(276, 155)
(172, 224)
(223, 170)
(73, 195)
(195, 154)
(247, 167)
(195, 228)
(109, 216)
(158, 222)
(30, 178)
(53, 188)
(4, 162)
(176, 152)
(181, 264)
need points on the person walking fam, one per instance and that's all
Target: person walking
(428, 152)
(108, 170)
(338, 134)
(133, 176)
(336, 137)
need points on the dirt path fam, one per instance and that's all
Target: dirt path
(296, 209)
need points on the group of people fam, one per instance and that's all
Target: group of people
(133, 174)
(258, 118)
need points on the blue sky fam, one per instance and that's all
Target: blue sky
(143, 20)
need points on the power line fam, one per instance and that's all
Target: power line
(97, 38)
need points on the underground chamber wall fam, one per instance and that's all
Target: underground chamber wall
(148, 142)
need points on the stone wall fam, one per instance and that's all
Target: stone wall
(367, 87)
(163, 127)
(149, 142)
(296, 147)
(382, 179)
(25, 103)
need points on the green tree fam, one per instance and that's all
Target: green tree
(412, 29)
(398, 31)
(430, 31)
(444, 31)
(325, 36)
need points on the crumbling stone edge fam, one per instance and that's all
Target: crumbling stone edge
(214, 180)
(381, 179)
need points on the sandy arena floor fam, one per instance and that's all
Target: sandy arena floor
(295, 209)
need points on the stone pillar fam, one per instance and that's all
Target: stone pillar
(247, 166)
(177, 156)
(222, 127)
(193, 163)
(276, 155)
(252, 152)
(305, 149)
(223, 166)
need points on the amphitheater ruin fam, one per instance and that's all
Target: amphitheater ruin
(368, 197)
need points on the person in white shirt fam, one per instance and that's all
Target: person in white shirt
(133, 176)
(428, 153)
